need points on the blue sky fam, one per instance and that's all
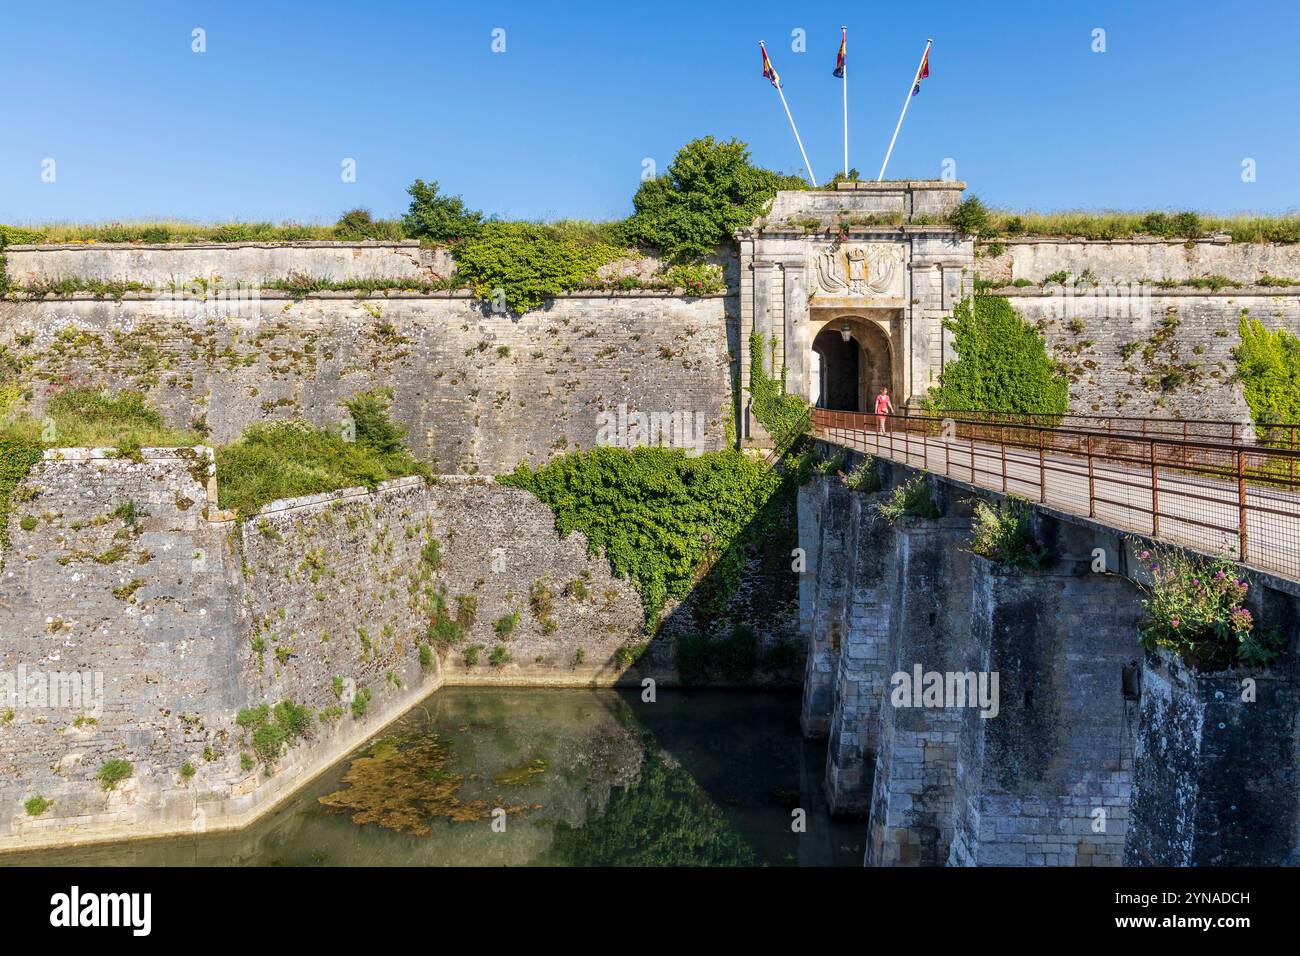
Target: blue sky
(559, 124)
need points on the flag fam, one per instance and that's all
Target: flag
(923, 73)
(769, 70)
(839, 60)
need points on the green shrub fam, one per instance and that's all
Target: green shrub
(375, 428)
(708, 192)
(500, 656)
(1003, 532)
(471, 654)
(528, 263)
(1268, 363)
(970, 216)
(286, 459)
(36, 806)
(1002, 364)
(187, 771)
(1195, 608)
(359, 224)
(436, 218)
(426, 657)
(114, 771)
(911, 499)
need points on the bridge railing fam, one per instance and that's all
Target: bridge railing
(1238, 499)
(1187, 429)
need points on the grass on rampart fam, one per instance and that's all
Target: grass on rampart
(288, 459)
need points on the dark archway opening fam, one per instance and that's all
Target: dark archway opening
(839, 364)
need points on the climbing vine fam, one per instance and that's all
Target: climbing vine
(783, 415)
(528, 263)
(669, 522)
(1002, 363)
(1268, 362)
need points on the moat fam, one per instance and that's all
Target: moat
(586, 777)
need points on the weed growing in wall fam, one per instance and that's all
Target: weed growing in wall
(268, 730)
(1003, 532)
(113, 772)
(1196, 609)
(864, 477)
(911, 499)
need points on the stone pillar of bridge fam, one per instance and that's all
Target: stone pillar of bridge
(928, 755)
(1057, 760)
(862, 666)
(1215, 775)
(826, 534)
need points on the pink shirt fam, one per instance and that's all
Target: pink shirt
(882, 404)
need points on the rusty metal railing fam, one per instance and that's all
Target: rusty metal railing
(1234, 498)
(1186, 429)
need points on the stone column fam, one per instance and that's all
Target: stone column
(862, 671)
(829, 596)
(798, 343)
(926, 754)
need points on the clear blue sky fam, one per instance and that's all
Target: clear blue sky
(558, 125)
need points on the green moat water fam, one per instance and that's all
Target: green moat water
(587, 777)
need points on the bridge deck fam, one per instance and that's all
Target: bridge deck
(1203, 513)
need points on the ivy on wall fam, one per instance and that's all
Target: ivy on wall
(1002, 364)
(529, 263)
(671, 523)
(784, 416)
(1268, 363)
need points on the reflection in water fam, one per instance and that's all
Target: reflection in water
(585, 777)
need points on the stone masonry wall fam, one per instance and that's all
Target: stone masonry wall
(1152, 352)
(1129, 260)
(180, 622)
(477, 392)
(230, 264)
(1098, 755)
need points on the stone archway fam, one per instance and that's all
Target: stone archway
(852, 359)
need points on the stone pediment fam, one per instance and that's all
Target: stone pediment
(858, 270)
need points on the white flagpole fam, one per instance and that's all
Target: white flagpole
(911, 86)
(808, 165)
(811, 177)
(844, 32)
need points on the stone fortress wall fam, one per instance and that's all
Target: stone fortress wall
(477, 392)
(180, 617)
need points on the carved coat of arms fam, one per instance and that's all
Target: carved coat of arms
(860, 269)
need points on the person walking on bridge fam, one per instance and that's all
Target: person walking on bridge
(883, 407)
